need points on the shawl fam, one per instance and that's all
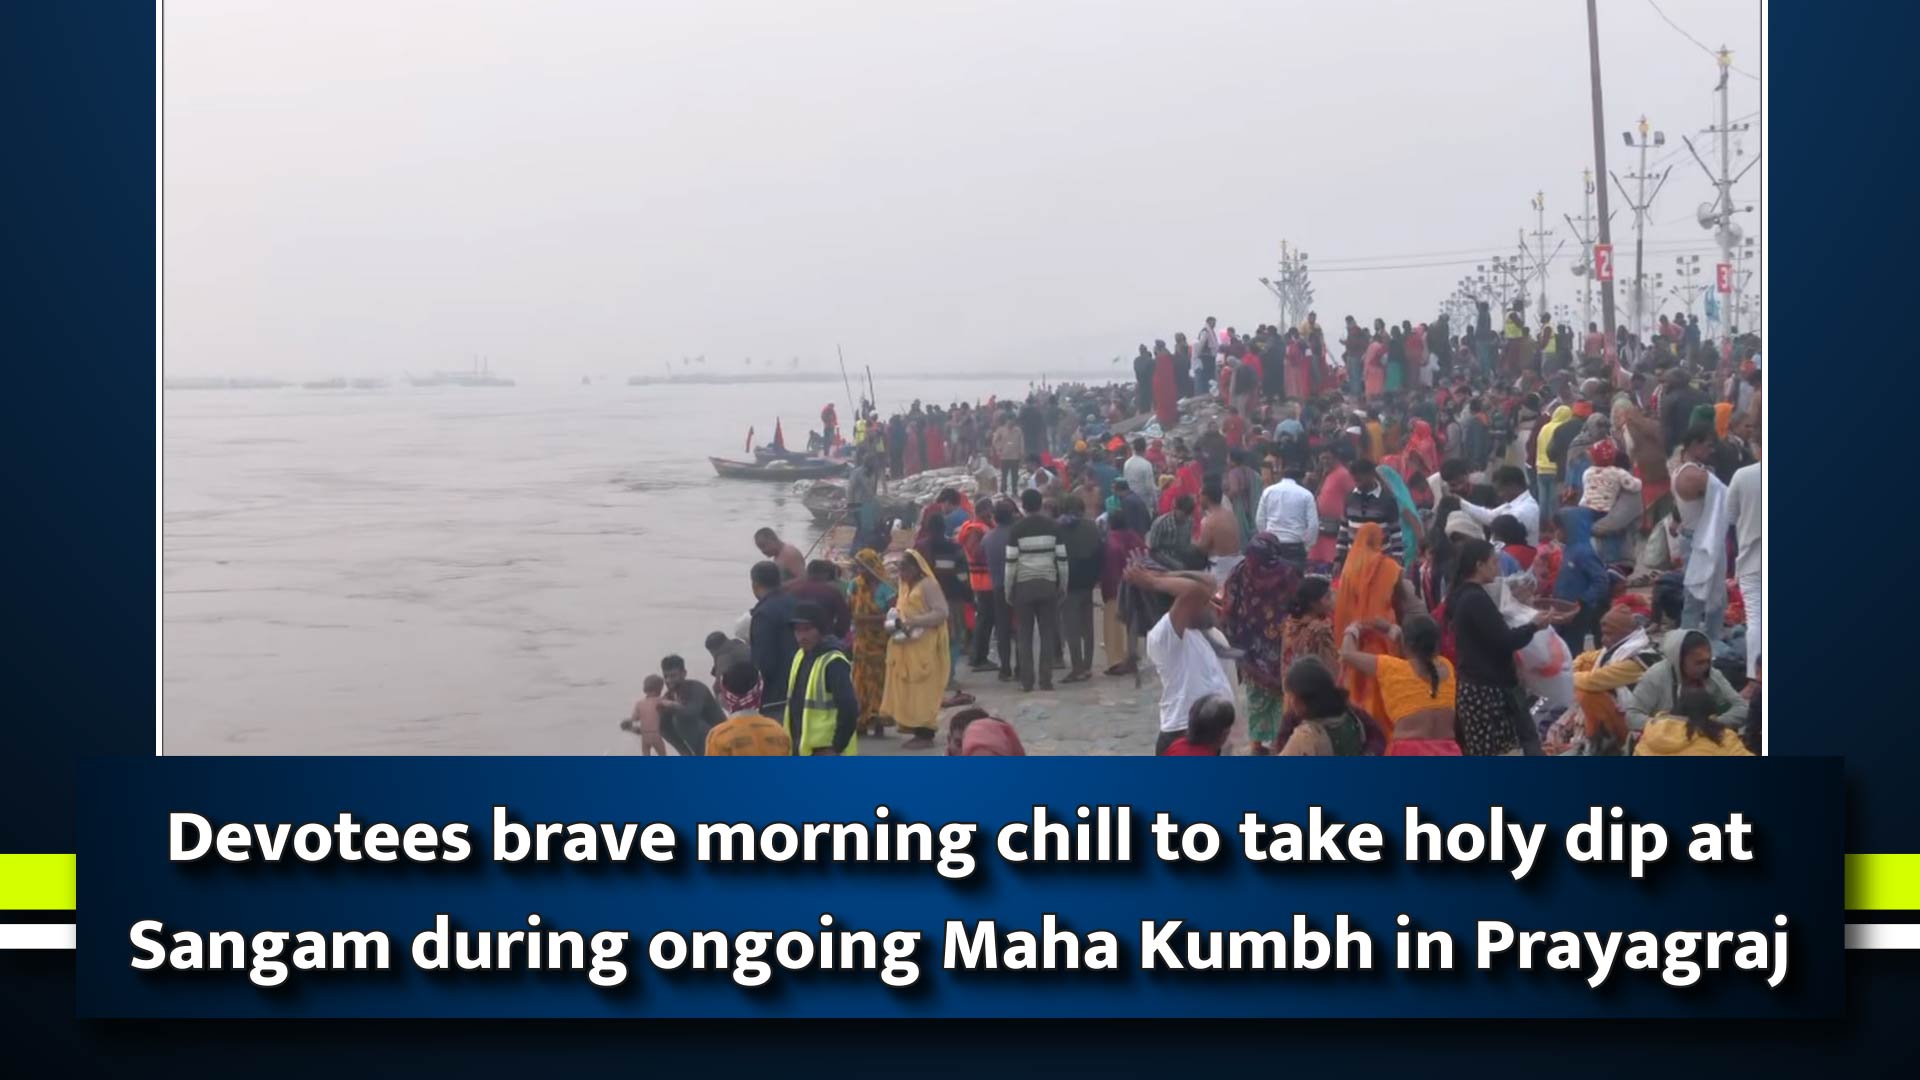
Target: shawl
(1410, 525)
(1258, 593)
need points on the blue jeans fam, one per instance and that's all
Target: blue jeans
(1547, 493)
(1696, 615)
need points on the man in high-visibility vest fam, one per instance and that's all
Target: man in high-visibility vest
(821, 710)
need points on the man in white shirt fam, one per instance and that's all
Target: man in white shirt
(1138, 471)
(1743, 509)
(1291, 513)
(1179, 648)
(1511, 484)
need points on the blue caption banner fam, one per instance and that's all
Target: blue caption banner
(402, 922)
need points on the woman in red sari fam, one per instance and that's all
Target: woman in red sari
(1418, 459)
(1186, 481)
(936, 444)
(1374, 367)
(1299, 384)
(1166, 387)
(912, 460)
(1332, 504)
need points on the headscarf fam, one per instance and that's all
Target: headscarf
(1598, 426)
(991, 736)
(1460, 524)
(1722, 418)
(1410, 527)
(1603, 453)
(1367, 581)
(871, 593)
(1619, 621)
(1541, 461)
(1701, 414)
(1420, 441)
(740, 703)
(1258, 593)
(1365, 591)
(926, 568)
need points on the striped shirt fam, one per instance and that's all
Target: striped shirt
(1375, 507)
(1035, 552)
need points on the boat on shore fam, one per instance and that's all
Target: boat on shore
(784, 470)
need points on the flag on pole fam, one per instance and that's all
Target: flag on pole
(749, 440)
(779, 438)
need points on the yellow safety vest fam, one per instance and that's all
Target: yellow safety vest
(819, 715)
(860, 432)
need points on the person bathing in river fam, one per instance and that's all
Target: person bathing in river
(792, 564)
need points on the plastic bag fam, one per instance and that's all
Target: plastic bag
(1545, 665)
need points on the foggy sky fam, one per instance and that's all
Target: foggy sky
(369, 187)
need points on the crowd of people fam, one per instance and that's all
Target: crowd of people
(1402, 540)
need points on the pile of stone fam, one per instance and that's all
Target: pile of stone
(902, 500)
(1195, 414)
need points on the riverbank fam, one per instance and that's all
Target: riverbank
(1107, 716)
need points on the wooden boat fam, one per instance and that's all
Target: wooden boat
(809, 469)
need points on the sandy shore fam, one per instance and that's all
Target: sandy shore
(1102, 717)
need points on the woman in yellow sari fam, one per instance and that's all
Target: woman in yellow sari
(869, 600)
(1417, 689)
(917, 667)
(1368, 586)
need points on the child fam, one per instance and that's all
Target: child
(1600, 490)
(1690, 730)
(645, 720)
(1547, 557)
(1603, 481)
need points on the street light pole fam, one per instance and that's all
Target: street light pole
(1600, 160)
(1540, 234)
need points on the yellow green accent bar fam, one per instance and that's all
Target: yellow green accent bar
(46, 883)
(36, 883)
(1883, 883)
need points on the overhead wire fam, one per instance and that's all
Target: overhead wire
(1715, 53)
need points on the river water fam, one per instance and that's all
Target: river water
(457, 571)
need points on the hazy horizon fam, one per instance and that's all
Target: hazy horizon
(600, 188)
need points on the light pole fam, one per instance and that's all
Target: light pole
(1583, 232)
(1742, 273)
(1293, 288)
(1686, 268)
(1648, 138)
(1540, 234)
(1600, 161)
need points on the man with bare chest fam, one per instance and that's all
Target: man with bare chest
(1219, 538)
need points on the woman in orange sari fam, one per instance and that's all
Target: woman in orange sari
(1368, 585)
